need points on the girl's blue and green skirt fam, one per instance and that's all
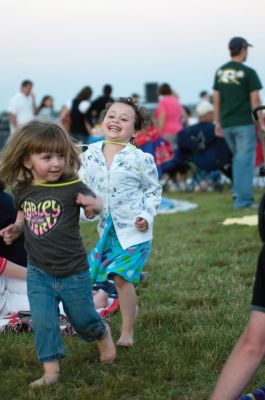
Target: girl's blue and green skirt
(108, 258)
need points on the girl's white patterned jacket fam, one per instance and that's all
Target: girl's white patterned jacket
(129, 189)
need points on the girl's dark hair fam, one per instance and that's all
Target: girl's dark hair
(33, 138)
(142, 116)
(165, 89)
(84, 94)
(42, 103)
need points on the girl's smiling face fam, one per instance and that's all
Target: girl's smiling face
(46, 167)
(118, 124)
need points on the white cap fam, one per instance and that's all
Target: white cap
(204, 107)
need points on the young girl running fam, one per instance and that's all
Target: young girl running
(127, 180)
(39, 163)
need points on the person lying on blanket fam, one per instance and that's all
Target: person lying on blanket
(13, 290)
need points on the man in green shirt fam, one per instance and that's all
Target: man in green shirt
(236, 93)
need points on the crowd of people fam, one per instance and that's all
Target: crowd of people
(51, 179)
(81, 118)
(79, 115)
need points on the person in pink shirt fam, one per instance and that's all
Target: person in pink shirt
(168, 114)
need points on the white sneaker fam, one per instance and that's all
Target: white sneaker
(172, 186)
(163, 182)
(182, 186)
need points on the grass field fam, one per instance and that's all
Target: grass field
(193, 308)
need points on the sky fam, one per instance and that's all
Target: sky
(64, 45)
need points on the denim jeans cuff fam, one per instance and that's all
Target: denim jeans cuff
(92, 334)
(52, 357)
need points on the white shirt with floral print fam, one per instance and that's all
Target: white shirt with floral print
(129, 189)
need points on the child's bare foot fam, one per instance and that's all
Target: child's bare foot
(100, 299)
(106, 347)
(125, 340)
(46, 379)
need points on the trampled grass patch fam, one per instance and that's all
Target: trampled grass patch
(193, 308)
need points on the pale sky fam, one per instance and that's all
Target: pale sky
(63, 45)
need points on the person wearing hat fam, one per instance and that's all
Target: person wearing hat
(236, 93)
(198, 145)
(204, 110)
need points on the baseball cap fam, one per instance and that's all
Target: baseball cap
(239, 43)
(204, 107)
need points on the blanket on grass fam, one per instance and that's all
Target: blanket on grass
(15, 323)
(169, 206)
(251, 220)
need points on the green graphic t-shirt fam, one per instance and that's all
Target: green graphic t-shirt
(235, 81)
(52, 235)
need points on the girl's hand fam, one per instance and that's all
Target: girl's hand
(10, 233)
(92, 206)
(141, 224)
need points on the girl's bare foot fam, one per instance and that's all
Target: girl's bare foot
(100, 299)
(46, 379)
(125, 340)
(106, 347)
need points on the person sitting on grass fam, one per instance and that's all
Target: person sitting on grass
(15, 252)
(13, 290)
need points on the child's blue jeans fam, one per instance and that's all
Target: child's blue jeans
(45, 292)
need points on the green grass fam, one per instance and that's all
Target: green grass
(193, 308)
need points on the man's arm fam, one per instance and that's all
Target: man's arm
(244, 360)
(34, 107)
(216, 104)
(255, 102)
(12, 119)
